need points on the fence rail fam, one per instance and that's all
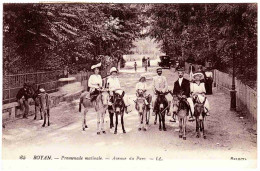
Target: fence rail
(246, 97)
(13, 83)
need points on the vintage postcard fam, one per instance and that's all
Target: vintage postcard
(102, 86)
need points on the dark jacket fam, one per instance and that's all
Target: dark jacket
(185, 87)
(22, 92)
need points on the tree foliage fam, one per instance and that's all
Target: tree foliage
(209, 31)
(49, 36)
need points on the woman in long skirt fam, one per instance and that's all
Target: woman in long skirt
(208, 80)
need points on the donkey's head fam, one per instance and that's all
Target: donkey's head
(140, 105)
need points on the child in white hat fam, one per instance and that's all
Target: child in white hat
(95, 82)
(197, 88)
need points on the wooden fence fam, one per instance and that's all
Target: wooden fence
(246, 97)
(13, 83)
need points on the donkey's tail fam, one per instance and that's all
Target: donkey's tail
(80, 101)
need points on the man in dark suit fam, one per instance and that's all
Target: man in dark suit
(182, 85)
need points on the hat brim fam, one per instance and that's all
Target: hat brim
(198, 74)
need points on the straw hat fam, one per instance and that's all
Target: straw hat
(198, 74)
(142, 76)
(113, 69)
(96, 66)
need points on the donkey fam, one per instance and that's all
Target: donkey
(181, 109)
(119, 108)
(162, 104)
(199, 115)
(100, 104)
(143, 109)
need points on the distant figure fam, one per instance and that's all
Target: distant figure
(191, 71)
(208, 80)
(148, 61)
(143, 61)
(135, 65)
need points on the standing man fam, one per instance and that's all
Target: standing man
(191, 71)
(148, 61)
(182, 85)
(159, 85)
(22, 98)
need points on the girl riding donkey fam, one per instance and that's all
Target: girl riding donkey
(142, 103)
(117, 103)
(201, 108)
(96, 97)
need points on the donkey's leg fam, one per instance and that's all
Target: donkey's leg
(155, 120)
(184, 127)
(40, 109)
(103, 122)
(202, 124)
(98, 121)
(84, 120)
(163, 121)
(44, 112)
(122, 122)
(116, 123)
(197, 128)
(180, 127)
(35, 112)
(160, 119)
(111, 115)
(145, 119)
(48, 115)
(140, 122)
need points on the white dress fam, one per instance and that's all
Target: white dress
(94, 82)
(200, 89)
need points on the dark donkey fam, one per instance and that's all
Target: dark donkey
(199, 115)
(161, 107)
(119, 108)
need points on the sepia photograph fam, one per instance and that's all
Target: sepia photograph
(172, 84)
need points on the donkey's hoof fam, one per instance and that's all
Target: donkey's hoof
(86, 126)
(139, 129)
(43, 125)
(115, 132)
(34, 118)
(48, 124)
(204, 136)
(98, 133)
(83, 129)
(41, 118)
(164, 129)
(180, 136)
(197, 136)
(154, 123)
(184, 138)
(124, 131)
(160, 129)
(104, 132)
(145, 129)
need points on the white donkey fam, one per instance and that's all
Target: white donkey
(100, 104)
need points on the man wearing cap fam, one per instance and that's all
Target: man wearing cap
(159, 85)
(182, 85)
(95, 82)
(22, 98)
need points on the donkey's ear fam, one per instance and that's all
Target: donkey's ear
(123, 94)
